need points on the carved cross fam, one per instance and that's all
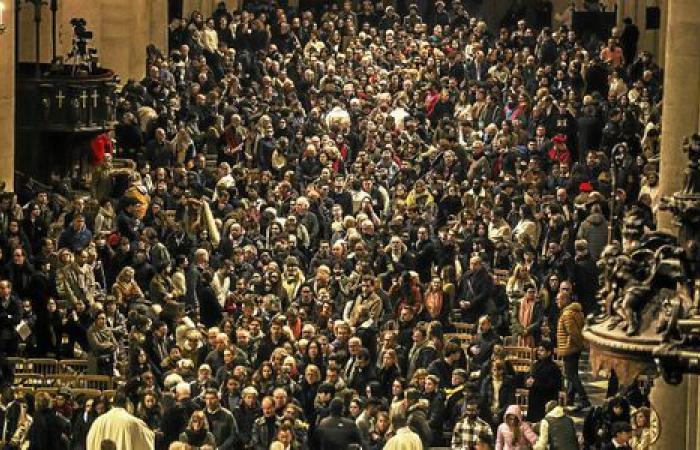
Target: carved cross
(84, 98)
(94, 97)
(60, 97)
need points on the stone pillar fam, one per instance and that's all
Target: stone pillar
(671, 405)
(7, 96)
(159, 24)
(681, 115)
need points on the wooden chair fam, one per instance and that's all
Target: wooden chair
(100, 382)
(521, 365)
(19, 364)
(520, 352)
(521, 399)
(33, 380)
(73, 366)
(463, 338)
(64, 380)
(43, 366)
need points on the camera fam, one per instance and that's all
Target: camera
(79, 29)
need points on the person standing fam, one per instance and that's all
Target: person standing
(336, 431)
(557, 430)
(405, 438)
(117, 425)
(543, 383)
(569, 345)
(628, 40)
(10, 315)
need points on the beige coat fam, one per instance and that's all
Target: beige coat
(404, 439)
(125, 430)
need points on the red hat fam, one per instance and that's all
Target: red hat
(585, 187)
(559, 139)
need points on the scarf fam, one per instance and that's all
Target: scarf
(433, 303)
(525, 317)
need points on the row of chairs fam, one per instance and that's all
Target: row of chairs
(47, 373)
(48, 366)
(98, 382)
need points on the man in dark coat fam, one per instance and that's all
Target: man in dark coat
(628, 40)
(10, 315)
(475, 291)
(336, 431)
(482, 346)
(20, 272)
(544, 382)
(585, 277)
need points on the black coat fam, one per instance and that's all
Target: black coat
(548, 382)
(506, 397)
(476, 288)
(10, 316)
(49, 430)
(336, 433)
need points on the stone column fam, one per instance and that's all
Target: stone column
(681, 108)
(7, 96)
(677, 411)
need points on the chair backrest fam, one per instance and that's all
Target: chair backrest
(73, 366)
(463, 338)
(64, 380)
(19, 364)
(43, 366)
(519, 352)
(521, 365)
(101, 382)
(521, 399)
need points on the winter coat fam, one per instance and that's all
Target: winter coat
(417, 420)
(595, 231)
(548, 382)
(505, 437)
(569, 330)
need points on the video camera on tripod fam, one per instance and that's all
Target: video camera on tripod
(83, 58)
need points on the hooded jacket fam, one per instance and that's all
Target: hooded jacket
(505, 438)
(595, 231)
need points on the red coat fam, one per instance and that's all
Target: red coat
(100, 145)
(559, 156)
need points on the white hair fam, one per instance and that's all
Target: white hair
(182, 389)
(172, 380)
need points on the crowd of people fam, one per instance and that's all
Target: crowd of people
(302, 203)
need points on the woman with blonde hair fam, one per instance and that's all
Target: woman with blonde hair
(125, 289)
(183, 146)
(197, 433)
(515, 287)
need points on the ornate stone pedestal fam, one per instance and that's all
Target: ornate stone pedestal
(650, 322)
